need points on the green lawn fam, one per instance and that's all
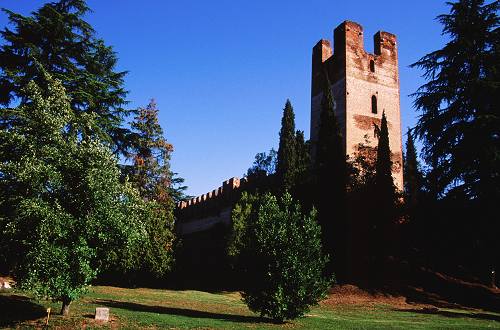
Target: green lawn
(149, 308)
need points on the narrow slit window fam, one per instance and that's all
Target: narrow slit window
(372, 65)
(374, 104)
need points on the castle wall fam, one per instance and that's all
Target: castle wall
(204, 212)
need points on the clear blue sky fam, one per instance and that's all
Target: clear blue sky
(222, 70)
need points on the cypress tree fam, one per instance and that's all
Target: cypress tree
(385, 196)
(287, 158)
(330, 168)
(303, 155)
(57, 37)
(383, 167)
(412, 173)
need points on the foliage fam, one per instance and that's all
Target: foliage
(287, 158)
(150, 172)
(264, 163)
(459, 123)
(459, 127)
(303, 161)
(238, 238)
(66, 45)
(383, 167)
(331, 177)
(280, 256)
(65, 215)
(412, 173)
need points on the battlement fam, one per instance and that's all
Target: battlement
(348, 41)
(216, 203)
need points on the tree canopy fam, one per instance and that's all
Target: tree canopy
(65, 214)
(58, 37)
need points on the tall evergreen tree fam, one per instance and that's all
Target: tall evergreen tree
(57, 36)
(287, 158)
(151, 153)
(383, 219)
(383, 167)
(460, 122)
(331, 180)
(460, 128)
(303, 155)
(412, 173)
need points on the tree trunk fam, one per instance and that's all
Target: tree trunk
(65, 306)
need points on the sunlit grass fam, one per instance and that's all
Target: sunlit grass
(153, 308)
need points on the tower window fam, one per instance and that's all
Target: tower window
(374, 104)
(372, 65)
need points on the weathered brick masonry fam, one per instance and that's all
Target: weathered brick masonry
(363, 86)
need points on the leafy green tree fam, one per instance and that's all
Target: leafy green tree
(281, 256)
(264, 163)
(412, 173)
(238, 240)
(57, 36)
(65, 215)
(459, 123)
(287, 158)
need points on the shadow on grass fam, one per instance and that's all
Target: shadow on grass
(436, 311)
(181, 312)
(16, 309)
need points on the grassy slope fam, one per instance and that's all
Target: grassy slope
(133, 308)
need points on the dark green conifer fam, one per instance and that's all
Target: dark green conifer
(287, 158)
(412, 173)
(57, 37)
(303, 155)
(331, 179)
(383, 167)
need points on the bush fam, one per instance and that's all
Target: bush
(279, 253)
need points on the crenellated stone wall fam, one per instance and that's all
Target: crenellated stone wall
(203, 212)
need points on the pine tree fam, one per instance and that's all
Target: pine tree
(57, 36)
(287, 158)
(460, 123)
(151, 153)
(412, 173)
(459, 126)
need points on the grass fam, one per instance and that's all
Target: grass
(151, 308)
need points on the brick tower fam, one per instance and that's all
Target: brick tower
(363, 86)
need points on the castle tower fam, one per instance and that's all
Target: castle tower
(363, 86)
